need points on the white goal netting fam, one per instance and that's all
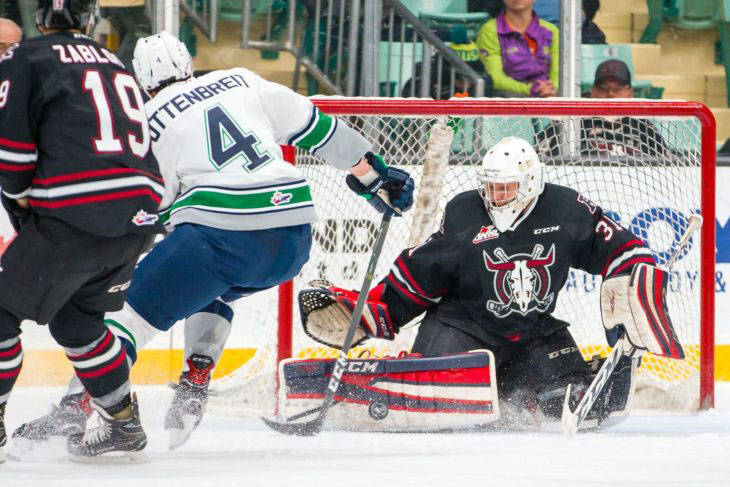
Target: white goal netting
(644, 170)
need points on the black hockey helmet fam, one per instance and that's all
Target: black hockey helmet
(66, 14)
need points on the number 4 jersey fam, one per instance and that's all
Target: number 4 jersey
(74, 138)
(217, 138)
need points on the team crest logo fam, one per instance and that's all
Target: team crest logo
(280, 198)
(144, 218)
(521, 281)
(486, 233)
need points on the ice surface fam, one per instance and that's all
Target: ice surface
(647, 449)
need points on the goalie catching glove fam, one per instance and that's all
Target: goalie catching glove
(386, 188)
(638, 304)
(327, 310)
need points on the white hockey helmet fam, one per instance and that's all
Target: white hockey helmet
(512, 176)
(161, 59)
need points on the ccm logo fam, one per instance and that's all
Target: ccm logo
(119, 287)
(562, 351)
(366, 367)
(540, 231)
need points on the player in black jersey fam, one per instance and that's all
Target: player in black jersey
(489, 278)
(83, 188)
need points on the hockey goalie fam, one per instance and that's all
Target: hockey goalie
(489, 350)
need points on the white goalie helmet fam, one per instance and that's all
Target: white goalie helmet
(511, 178)
(160, 59)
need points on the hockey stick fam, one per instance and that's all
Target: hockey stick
(312, 428)
(571, 420)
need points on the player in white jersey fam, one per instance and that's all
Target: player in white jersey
(239, 215)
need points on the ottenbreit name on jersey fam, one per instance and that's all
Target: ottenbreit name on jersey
(185, 100)
(84, 54)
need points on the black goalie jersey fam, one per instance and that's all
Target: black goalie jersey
(74, 138)
(503, 287)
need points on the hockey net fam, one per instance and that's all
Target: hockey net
(648, 186)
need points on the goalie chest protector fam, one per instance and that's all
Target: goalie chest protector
(504, 286)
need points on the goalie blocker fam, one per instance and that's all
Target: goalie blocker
(638, 304)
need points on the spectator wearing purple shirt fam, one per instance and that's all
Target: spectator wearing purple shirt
(520, 51)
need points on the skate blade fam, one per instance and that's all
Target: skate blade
(113, 458)
(27, 450)
(178, 437)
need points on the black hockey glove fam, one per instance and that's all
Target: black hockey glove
(16, 214)
(392, 190)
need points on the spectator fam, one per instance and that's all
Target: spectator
(520, 51)
(590, 32)
(10, 34)
(624, 136)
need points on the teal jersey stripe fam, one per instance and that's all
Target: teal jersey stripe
(315, 135)
(242, 201)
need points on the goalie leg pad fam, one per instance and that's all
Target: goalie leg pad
(638, 303)
(395, 394)
(326, 313)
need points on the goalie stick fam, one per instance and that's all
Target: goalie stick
(571, 420)
(313, 427)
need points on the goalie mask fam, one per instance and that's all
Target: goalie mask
(511, 179)
(66, 14)
(160, 60)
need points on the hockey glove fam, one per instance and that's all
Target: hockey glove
(326, 312)
(16, 213)
(391, 191)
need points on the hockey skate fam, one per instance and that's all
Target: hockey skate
(3, 436)
(67, 418)
(112, 435)
(191, 397)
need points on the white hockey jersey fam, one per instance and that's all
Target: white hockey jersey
(217, 139)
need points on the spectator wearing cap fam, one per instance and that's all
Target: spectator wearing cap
(612, 80)
(10, 34)
(607, 136)
(520, 51)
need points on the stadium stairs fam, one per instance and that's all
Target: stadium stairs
(682, 61)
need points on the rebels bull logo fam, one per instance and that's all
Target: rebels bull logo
(521, 281)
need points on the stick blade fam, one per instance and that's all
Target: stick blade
(568, 420)
(309, 428)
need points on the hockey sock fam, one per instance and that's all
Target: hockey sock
(103, 369)
(11, 360)
(207, 330)
(131, 328)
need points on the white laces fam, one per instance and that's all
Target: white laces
(94, 436)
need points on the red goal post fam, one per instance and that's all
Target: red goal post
(389, 114)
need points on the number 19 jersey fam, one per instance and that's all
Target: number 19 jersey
(74, 138)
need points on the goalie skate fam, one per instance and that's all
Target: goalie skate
(191, 397)
(124, 438)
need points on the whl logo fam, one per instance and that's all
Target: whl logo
(486, 233)
(280, 198)
(144, 218)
